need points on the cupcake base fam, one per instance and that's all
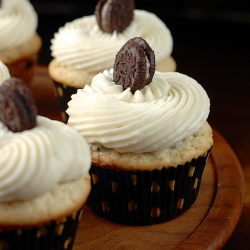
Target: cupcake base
(67, 82)
(63, 94)
(56, 235)
(145, 197)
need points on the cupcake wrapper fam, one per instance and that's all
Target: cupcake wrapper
(23, 68)
(63, 93)
(145, 197)
(56, 236)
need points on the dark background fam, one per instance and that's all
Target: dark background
(212, 45)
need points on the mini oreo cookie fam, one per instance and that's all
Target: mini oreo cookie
(114, 15)
(134, 65)
(17, 107)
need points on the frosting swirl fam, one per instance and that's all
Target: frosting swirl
(18, 22)
(36, 160)
(81, 45)
(172, 107)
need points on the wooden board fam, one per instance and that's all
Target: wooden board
(208, 224)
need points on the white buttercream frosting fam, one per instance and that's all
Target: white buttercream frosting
(81, 45)
(18, 22)
(36, 160)
(160, 115)
(4, 72)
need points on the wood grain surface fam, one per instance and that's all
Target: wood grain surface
(208, 224)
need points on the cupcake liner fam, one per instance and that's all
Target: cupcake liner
(63, 93)
(56, 236)
(145, 197)
(22, 60)
(23, 68)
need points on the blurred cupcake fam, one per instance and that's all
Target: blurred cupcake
(88, 45)
(149, 138)
(19, 42)
(44, 179)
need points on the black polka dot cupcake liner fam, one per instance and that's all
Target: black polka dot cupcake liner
(52, 236)
(145, 197)
(63, 94)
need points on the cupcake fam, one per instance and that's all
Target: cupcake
(149, 138)
(19, 42)
(44, 179)
(88, 45)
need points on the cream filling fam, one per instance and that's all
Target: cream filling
(103, 15)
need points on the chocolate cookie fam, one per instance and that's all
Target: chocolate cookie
(17, 107)
(134, 65)
(114, 15)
